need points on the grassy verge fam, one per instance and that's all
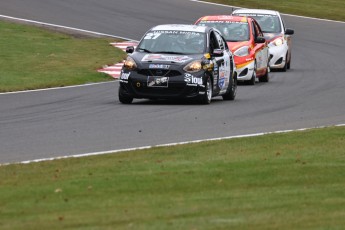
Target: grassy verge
(326, 9)
(32, 58)
(285, 181)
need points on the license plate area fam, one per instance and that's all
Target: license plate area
(157, 81)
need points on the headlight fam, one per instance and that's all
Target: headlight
(192, 67)
(277, 42)
(243, 51)
(130, 64)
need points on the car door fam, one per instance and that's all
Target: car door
(220, 84)
(261, 49)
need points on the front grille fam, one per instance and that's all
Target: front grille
(159, 72)
(279, 61)
(174, 90)
(244, 72)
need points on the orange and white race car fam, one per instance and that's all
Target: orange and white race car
(246, 40)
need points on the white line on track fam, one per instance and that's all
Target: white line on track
(168, 144)
(64, 27)
(64, 87)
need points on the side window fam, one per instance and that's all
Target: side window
(283, 24)
(220, 41)
(254, 30)
(257, 28)
(213, 42)
(226, 47)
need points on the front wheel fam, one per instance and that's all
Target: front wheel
(252, 80)
(284, 69)
(232, 89)
(207, 96)
(124, 99)
(266, 77)
(289, 63)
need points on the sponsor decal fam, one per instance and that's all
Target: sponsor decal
(155, 81)
(169, 58)
(258, 15)
(125, 76)
(155, 34)
(191, 80)
(225, 17)
(158, 66)
(215, 70)
(221, 81)
(220, 21)
(207, 55)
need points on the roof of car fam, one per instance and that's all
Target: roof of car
(255, 11)
(231, 18)
(181, 27)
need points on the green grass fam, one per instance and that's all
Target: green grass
(32, 58)
(326, 9)
(283, 181)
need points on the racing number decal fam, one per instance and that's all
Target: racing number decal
(152, 35)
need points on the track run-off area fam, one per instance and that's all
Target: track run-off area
(69, 121)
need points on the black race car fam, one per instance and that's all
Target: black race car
(179, 61)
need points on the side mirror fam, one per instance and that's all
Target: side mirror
(217, 53)
(130, 49)
(260, 39)
(289, 31)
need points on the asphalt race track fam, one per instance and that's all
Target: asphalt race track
(86, 119)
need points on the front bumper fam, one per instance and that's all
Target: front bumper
(278, 56)
(174, 85)
(245, 70)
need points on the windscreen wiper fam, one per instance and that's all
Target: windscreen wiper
(145, 50)
(169, 52)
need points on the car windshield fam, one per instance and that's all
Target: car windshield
(268, 23)
(171, 41)
(232, 31)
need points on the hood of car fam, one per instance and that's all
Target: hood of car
(271, 36)
(164, 58)
(236, 45)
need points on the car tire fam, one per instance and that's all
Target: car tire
(207, 96)
(232, 89)
(289, 63)
(124, 99)
(252, 80)
(266, 77)
(286, 64)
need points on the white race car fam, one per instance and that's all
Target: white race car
(278, 37)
